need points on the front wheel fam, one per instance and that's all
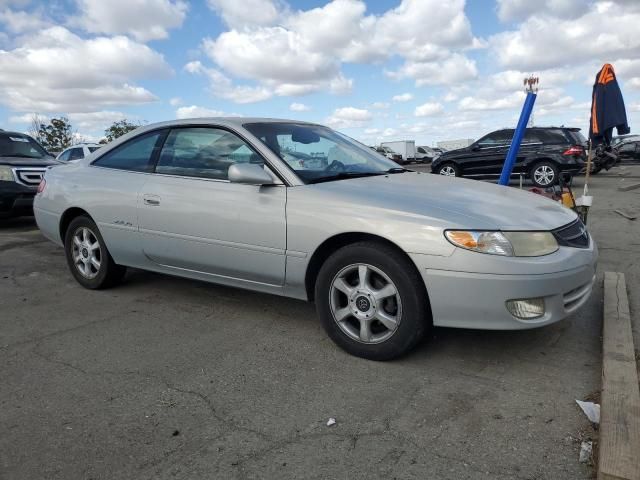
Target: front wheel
(87, 255)
(544, 174)
(371, 301)
(449, 170)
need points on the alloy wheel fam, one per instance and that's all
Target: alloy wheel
(365, 303)
(86, 252)
(544, 175)
(448, 171)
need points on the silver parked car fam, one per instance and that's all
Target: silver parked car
(384, 252)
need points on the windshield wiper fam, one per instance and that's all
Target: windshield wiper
(344, 175)
(397, 170)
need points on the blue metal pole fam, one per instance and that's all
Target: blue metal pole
(512, 154)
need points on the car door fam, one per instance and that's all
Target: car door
(111, 195)
(192, 218)
(487, 154)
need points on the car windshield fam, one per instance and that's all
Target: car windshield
(319, 154)
(16, 145)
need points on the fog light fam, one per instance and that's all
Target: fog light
(526, 309)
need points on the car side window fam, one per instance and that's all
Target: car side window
(76, 153)
(496, 139)
(204, 152)
(627, 147)
(135, 155)
(64, 156)
(421, 150)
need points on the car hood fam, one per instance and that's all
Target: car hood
(457, 202)
(28, 162)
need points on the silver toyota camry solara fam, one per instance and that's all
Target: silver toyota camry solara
(299, 210)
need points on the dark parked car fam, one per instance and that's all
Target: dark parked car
(23, 162)
(628, 149)
(543, 155)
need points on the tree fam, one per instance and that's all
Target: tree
(117, 129)
(34, 127)
(57, 135)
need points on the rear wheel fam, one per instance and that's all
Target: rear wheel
(544, 174)
(371, 301)
(449, 170)
(87, 255)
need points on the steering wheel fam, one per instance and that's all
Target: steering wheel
(335, 166)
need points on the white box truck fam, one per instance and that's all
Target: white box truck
(406, 148)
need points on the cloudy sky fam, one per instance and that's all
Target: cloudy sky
(378, 70)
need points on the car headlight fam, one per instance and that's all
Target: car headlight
(6, 174)
(509, 244)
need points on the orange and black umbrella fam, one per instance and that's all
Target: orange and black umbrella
(607, 108)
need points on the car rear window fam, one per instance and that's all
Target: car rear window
(576, 137)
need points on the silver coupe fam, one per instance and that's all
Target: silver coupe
(299, 210)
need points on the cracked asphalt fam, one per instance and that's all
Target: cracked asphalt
(164, 378)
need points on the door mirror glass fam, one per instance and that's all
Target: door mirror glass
(249, 174)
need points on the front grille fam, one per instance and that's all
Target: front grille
(573, 235)
(30, 177)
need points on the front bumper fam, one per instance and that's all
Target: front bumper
(477, 300)
(15, 199)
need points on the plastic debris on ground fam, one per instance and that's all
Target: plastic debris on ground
(585, 451)
(591, 410)
(332, 421)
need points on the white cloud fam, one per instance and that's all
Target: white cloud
(223, 87)
(22, 21)
(238, 14)
(195, 111)
(380, 105)
(601, 32)
(349, 117)
(175, 101)
(504, 102)
(509, 10)
(455, 69)
(299, 107)
(94, 121)
(428, 109)
(142, 19)
(404, 97)
(57, 71)
(298, 52)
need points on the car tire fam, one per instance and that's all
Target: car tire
(371, 301)
(544, 174)
(449, 169)
(89, 260)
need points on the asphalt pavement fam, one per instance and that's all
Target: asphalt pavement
(165, 378)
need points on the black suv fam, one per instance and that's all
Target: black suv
(545, 152)
(23, 162)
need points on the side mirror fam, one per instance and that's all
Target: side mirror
(249, 174)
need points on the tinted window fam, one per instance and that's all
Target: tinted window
(203, 152)
(65, 156)
(421, 150)
(76, 154)
(501, 137)
(17, 145)
(134, 155)
(552, 136)
(93, 149)
(627, 147)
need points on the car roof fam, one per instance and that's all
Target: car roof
(224, 121)
(5, 132)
